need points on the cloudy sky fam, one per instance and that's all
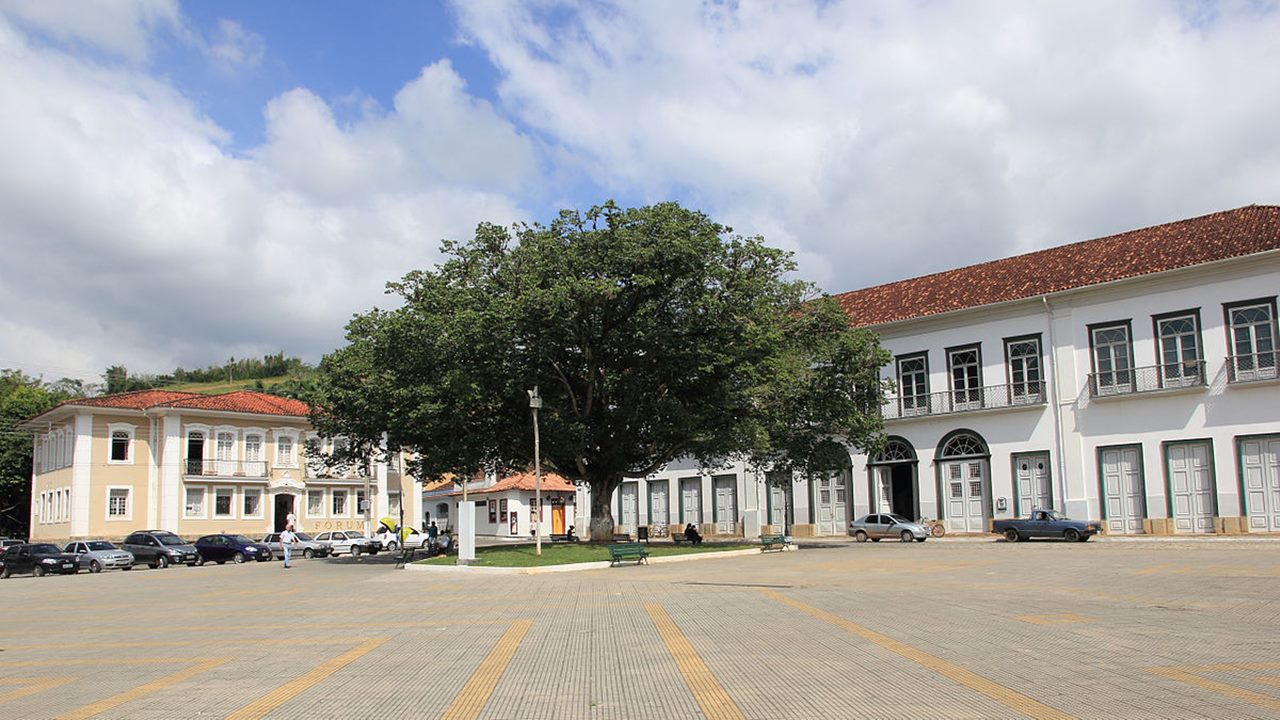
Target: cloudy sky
(182, 182)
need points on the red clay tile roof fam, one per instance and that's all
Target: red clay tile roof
(1222, 235)
(243, 401)
(523, 481)
(136, 400)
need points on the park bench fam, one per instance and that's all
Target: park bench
(773, 542)
(562, 537)
(678, 538)
(628, 551)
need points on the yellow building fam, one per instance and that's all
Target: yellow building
(197, 464)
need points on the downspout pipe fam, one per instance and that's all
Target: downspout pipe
(1057, 406)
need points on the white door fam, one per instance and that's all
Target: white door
(966, 496)
(659, 508)
(691, 500)
(629, 505)
(832, 513)
(778, 509)
(1191, 484)
(726, 505)
(226, 454)
(1260, 464)
(1034, 489)
(1122, 490)
(884, 489)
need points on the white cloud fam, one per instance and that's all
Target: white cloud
(233, 47)
(132, 235)
(884, 140)
(120, 27)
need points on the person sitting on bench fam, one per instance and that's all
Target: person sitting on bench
(569, 536)
(691, 534)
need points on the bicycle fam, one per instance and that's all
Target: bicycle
(936, 527)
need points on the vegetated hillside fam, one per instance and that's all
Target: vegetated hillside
(213, 388)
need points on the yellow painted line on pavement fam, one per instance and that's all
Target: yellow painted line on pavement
(119, 699)
(711, 696)
(283, 694)
(1189, 676)
(994, 690)
(473, 696)
(31, 686)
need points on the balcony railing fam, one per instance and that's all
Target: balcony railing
(1153, 378)
(992, 397)
(226, 468)
(1256, 366)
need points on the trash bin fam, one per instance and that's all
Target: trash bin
(642, 533)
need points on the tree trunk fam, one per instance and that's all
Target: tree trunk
(601, 511)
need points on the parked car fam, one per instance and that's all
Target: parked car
(39, 559)
(307, 546)
(877, 526)
(98, 555)
(6, 543)
(408, 537)
(160, 549)
(1046, 523)
(349, 541)
(236, 548)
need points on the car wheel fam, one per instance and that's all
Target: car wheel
(127, 568)
(355, 551)
(95, 566)
(391, 547)
(1011, 535)
(38, 571)
(1071, 535)
(906, 536)
(162, 562)
(308, 553)
(238, 558)
(860, 536)
(4, 573)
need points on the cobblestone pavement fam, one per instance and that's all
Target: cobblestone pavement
(881, 630)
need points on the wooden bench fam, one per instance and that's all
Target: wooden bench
(628, 551)
(562, 537)
(678, 538)
(773, 542)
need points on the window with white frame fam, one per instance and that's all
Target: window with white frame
(1253, 340)
(1112, 359)
(1179, 337)
(339, 503)
(252, 503)
(1023, 358)
(360, 502)
(286, 448)
(121, 448)
(966, 376)
(224, 502)
(195, 502)
(225, 452)
(913, 379)
(118, 503)
(254, 465)
(315, 503)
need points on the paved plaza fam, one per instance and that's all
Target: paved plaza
(944, 629)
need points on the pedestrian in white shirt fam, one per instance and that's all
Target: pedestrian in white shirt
(287, 541)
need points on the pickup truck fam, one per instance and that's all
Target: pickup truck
(1045, 523)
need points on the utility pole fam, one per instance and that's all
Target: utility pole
(535, 403)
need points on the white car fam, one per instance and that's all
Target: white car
(409, 538)
(349, 542)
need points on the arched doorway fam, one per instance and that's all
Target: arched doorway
(829, 490)
(964, 469)
(895, 483)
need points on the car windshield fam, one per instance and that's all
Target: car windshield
(303, 537)
(101, 545)
(1052, 515)
(170, 539)
(898, 518)
(44, 548)
(242, 539)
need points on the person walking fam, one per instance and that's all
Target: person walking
(287, 540)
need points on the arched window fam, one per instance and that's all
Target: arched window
(964, 444)
(896, 450)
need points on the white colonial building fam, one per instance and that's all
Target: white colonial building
(1130, 378)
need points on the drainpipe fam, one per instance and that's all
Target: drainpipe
(1057, 408)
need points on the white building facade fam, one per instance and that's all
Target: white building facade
(1131, 379)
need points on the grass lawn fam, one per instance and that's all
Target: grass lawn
(569, 553)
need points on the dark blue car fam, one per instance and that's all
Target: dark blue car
(236, 548)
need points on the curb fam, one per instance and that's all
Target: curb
(574, 567)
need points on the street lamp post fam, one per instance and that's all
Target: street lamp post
(535, 403)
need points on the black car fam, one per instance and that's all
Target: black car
(39, 559)
(236, 548)
(160, 549)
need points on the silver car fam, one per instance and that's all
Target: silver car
(877, 526)
(99, 555)
(349, 542)
(307, 546)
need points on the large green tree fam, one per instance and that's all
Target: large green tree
(653, 334)
(21, 398)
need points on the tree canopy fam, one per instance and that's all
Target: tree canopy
(652, 333)
(21, 398)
